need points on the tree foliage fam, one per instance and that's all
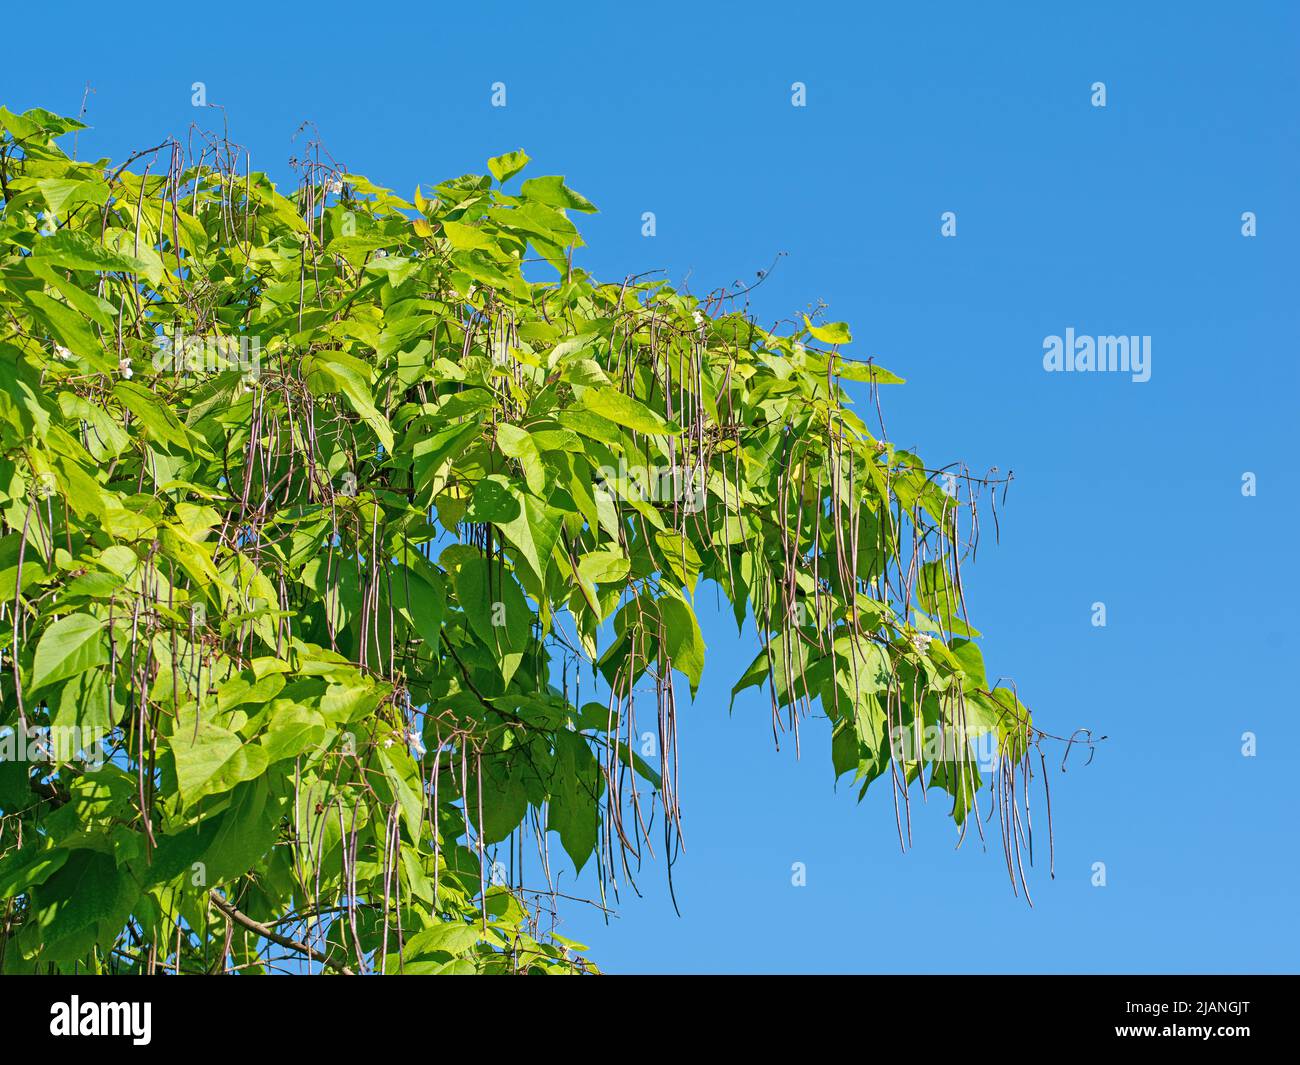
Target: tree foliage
(344, 566)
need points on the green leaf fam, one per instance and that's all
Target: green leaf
(34, 121)
(63, 193)
(574, 807)
(211, 760)
(450, 937)
(83, 704)
(505, 800)
(830, 333)
(401, 772)
(621, 409)
(467, 238)
(866, 372)
(494, 501)
(293, 730)
(350, 377)
(961, 779)
(518, 444)
(552, 190)
(163, 426)
(534, 532)
(972, 662)
(497, 611)
(753, 677)
(683, 639)
(76, 251)
(603, 567)
(81, 893)
(69, 328)
(245, 832)
(504, 167)
(70, 646)
(23, 870)
(591, 425)
(844, 748)
(422, 605)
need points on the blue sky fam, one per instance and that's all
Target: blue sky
(1117, 220)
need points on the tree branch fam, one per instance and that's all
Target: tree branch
(266, 932)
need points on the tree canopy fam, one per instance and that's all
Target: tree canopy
(346, 567)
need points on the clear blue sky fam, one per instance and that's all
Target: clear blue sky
(1122, 220)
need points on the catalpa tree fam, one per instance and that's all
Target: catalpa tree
(344, 569)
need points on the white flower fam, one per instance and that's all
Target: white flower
(125, 367)
(415, 742)
(334, 185)
(699, 318)
(60, 352)
(921, 642)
